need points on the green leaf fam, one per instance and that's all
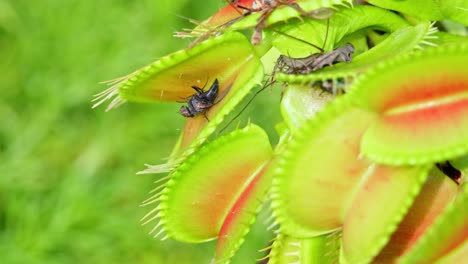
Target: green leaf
(422, 101)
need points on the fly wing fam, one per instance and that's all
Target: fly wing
(212, 93)
(223, 94)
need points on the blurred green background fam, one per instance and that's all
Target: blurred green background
(68, 189)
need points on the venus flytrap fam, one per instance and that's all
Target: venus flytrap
(421, 98)
(171, 77)
(353, 178)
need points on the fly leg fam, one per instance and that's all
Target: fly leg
(206, 117)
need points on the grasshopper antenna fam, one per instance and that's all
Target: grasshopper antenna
(326, 35)
(268, 84)
(298, 39)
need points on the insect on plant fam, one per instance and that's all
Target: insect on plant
(314, 61)
(267, 7)
(305, 65)
(201, 101)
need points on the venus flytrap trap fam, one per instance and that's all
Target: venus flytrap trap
(450, 226)
(228, 185)
(437, 192)
(228, 58)
(354, 176)
(422, 98)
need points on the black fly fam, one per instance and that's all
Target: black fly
(201, 101)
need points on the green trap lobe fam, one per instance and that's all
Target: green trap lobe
(447, 239)
(380, 203)
(319, 171)
(241, 215)
(171, 77)
(422, 97)
(205, 187)
(436, 194)
(418, 82)
(232, 90)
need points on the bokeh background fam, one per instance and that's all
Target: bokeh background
(68, 189)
